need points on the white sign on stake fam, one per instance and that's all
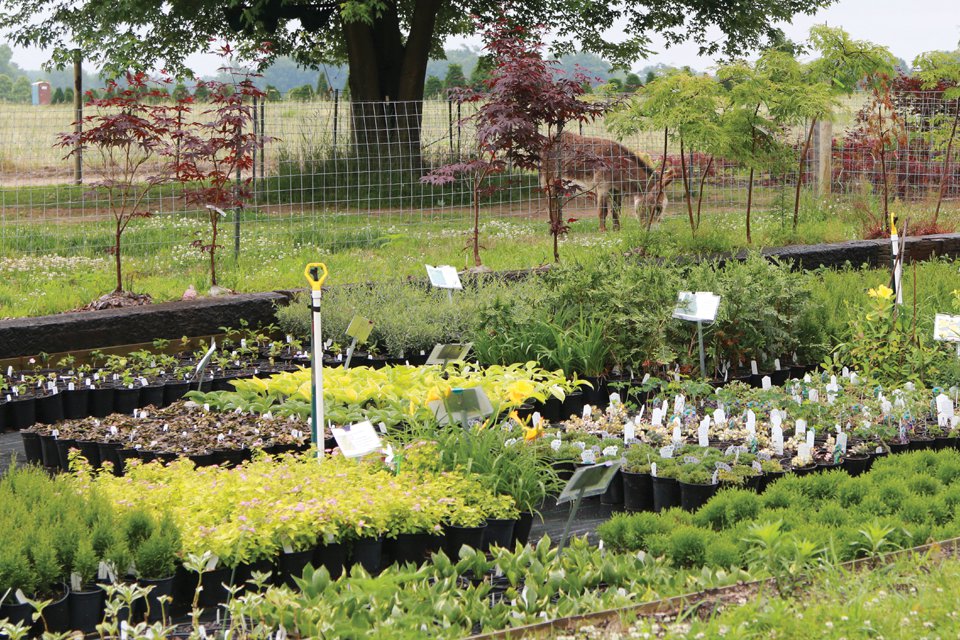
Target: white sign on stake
(444, 277)
(357, 440)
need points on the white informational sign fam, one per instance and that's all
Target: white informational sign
(946, 328)
(444, 277)
(357, 439)
(701, 306)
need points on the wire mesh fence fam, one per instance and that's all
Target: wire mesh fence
(335, 174)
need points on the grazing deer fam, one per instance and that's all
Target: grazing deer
(602, 167)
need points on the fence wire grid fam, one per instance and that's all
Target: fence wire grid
(320, 181)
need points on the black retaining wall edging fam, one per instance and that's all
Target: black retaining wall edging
(133, 325)
(203, 317)
(873, 253)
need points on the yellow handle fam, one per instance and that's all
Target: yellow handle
(315, 284)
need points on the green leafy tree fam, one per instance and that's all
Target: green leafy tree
(6, 87)
(651, 76)
(632, 82)
(57, 97)
(686, 106)
(850, 64)
(68, 95)
(201, 93)
(433, 87)
(385, 45)
(21, 90)
(936, 68)
(273, 94)
(754, 116)
(454, 78)
(480, 75)
(180, 91)
(323, 87)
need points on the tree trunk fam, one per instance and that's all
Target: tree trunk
(116, 256)
(803, 164)
(749, 204)
(385, 68)
(663, 168)
(883, 169)
(703, 180)
(686, 189)
(946, 163)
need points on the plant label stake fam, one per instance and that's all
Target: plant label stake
(359, 329)
(316, 274)
(897, 247)
(699, 307)
(947, 329)
(586, 482)
(204, 361)
(444, 354)
(445, 277)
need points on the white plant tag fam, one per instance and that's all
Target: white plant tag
(212, 563)
(766, 383)
(845, 372)
(76, 581)
(720, 416)
(20, 596)
(776, 438)
(555, 444)
(666, 452)
(614, 399)
(804, 453)
(587, 411)
(842, 442)
(588, 456)
(71, 386)
(703, 432)
(751, 420)
(801, 427)
(677, 434)
(814, 395)
(811, 434)
(629, 431)
(776, 364)
(653, 469)
(656, 417)
(753, 368)
(679, 403)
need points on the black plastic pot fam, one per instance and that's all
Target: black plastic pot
(874, 457)
(86, 608)
(291, 565)
(409, 548)
(666, 494)
(333, 556)
(572, 405)
(57, 614)
(802, 471)
(944, 443)
(126, 455)
(694, 496)
(101, 401)
(63, 452)
(521, 530)
(17, 613)
(149, 608)
(920, 443)
(855, 465)
(50, 408)
(32, 448)
(752, 483)
(110, 452)
(3, 416)
(151, 395)
(898, 447)
(499, 533)
(76, 404)
(214, 592)
(768, 478)
(779, 376)
(246, 570)
(368, 553)
(564, 469)
(125, 400)
(614, 493)
(21, 413)
(91, 451)
(596, 394)
(552, 409)
(173, 391)
(637, 491)
(207, 459)
(462, 536)
(50, 455)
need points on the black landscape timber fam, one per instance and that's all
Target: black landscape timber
(133, 325)
(873, 253)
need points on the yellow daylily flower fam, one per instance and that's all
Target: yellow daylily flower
(882, 292)
(532, 433)
(520, 390)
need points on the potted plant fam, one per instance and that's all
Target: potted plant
(501, 517)
(86, 600)
(155, 560)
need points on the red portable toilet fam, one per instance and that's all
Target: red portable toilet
(40, 92)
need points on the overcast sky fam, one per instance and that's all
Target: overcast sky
(907, 27)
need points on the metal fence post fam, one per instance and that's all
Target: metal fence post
(78, 115)
(823, 157)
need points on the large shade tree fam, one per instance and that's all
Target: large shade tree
(385, 43)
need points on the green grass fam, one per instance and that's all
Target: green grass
(48, 266)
